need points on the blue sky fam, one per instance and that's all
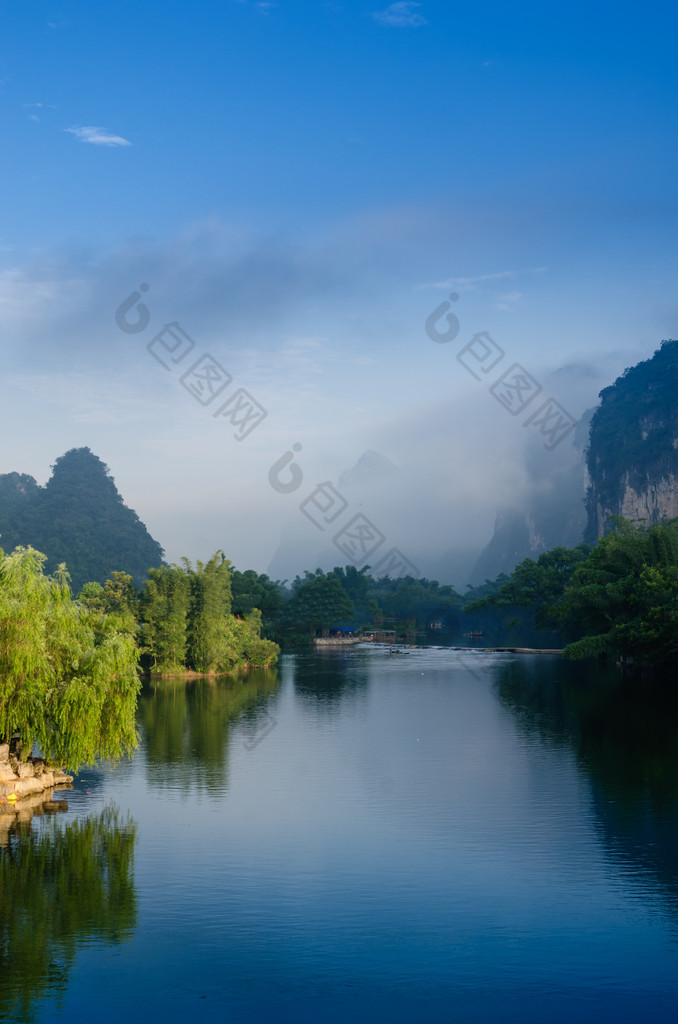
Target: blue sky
(300, 184)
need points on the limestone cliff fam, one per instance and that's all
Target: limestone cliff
(632, 460)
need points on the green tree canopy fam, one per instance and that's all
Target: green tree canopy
(210, 607)
(417, 600)
(165, 606)
(318, 601)
(538, 585)
(250, 590)
(68, 674)
(187, 622)
(624, 596)
(618, 598)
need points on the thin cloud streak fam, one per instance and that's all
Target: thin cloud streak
(400, 15)
(97, 136)
(470, 284)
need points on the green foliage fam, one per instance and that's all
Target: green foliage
(165, 605)
(18, 491)
(78, 518)
(249, 590)
(318, 602)
(538, 585)
(92, 596)
(356, 582)
(618, 599)
(60, 887)
(349, 597)
(120, 595)
(68, 678)
(624, 596)
(187, 622)
(418, 600)
(490, 588)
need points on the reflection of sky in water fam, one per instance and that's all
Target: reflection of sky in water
(402, 848)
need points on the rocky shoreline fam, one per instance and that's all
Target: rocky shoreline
(21, 779)
(336, 641)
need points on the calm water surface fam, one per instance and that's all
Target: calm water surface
(431, 836)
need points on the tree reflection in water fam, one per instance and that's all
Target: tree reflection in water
(186, 725)
(61, 885)
(328, 677)
(624, 733)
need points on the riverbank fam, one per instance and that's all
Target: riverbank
(21, 779)
(519, 650)
(336, 641)
(190, 673)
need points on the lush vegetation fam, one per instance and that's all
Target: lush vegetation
(69, 675)
(633, 431)
(187, 621)
(349, 598)
(624, 597)
(78, 518)
(618, 599)
(249, 590)
(412, 603)
(68, 672)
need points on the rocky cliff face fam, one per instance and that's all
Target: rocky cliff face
(632, 460)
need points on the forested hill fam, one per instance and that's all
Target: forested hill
(633, 448)
(78, 518)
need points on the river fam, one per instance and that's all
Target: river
(362, 836)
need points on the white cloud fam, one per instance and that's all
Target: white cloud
(470, 284)
(97, 136)
(466, 284)
(508, 300)
(37, 106)
(400, 15)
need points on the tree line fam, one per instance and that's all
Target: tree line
(69, 678)
(69, 675)
(185, 618)
(617, 599)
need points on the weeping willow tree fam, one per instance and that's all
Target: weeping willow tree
(68, 678)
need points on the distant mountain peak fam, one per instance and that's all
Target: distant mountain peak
(370, 466)
(78, 517)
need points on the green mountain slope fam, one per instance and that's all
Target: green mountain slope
(78, 518)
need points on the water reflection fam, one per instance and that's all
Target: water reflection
(624, 732)
(61, 885)
(326, 677)
(187, 725)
